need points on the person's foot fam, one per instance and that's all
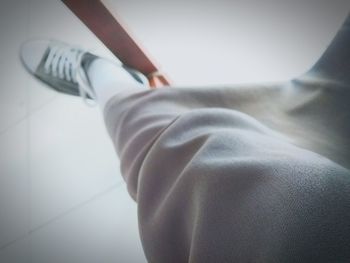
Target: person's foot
(63, 66)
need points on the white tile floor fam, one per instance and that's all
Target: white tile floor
(71, 157)
(61, 192)
(61, 195)
(14, 191)
(103, 230)
(13, 89)
(17, 252)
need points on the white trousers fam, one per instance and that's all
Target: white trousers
(254, 173)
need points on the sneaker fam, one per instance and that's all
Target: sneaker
(62, 67)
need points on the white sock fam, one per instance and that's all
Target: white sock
(108, 79)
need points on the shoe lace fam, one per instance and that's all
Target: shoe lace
(65, 63)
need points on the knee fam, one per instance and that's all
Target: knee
(293, 209)
(307, 203)
(319, 222)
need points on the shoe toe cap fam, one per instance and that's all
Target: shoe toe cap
(32, 53)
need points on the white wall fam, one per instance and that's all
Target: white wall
(208, 42)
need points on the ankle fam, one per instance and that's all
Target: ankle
(87, 60)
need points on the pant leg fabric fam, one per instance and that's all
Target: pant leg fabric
(237, 174)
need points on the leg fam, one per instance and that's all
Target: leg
(107, 80)
(215, 185)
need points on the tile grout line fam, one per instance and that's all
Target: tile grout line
(62, 215)
(77, 207)
(29, 113)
